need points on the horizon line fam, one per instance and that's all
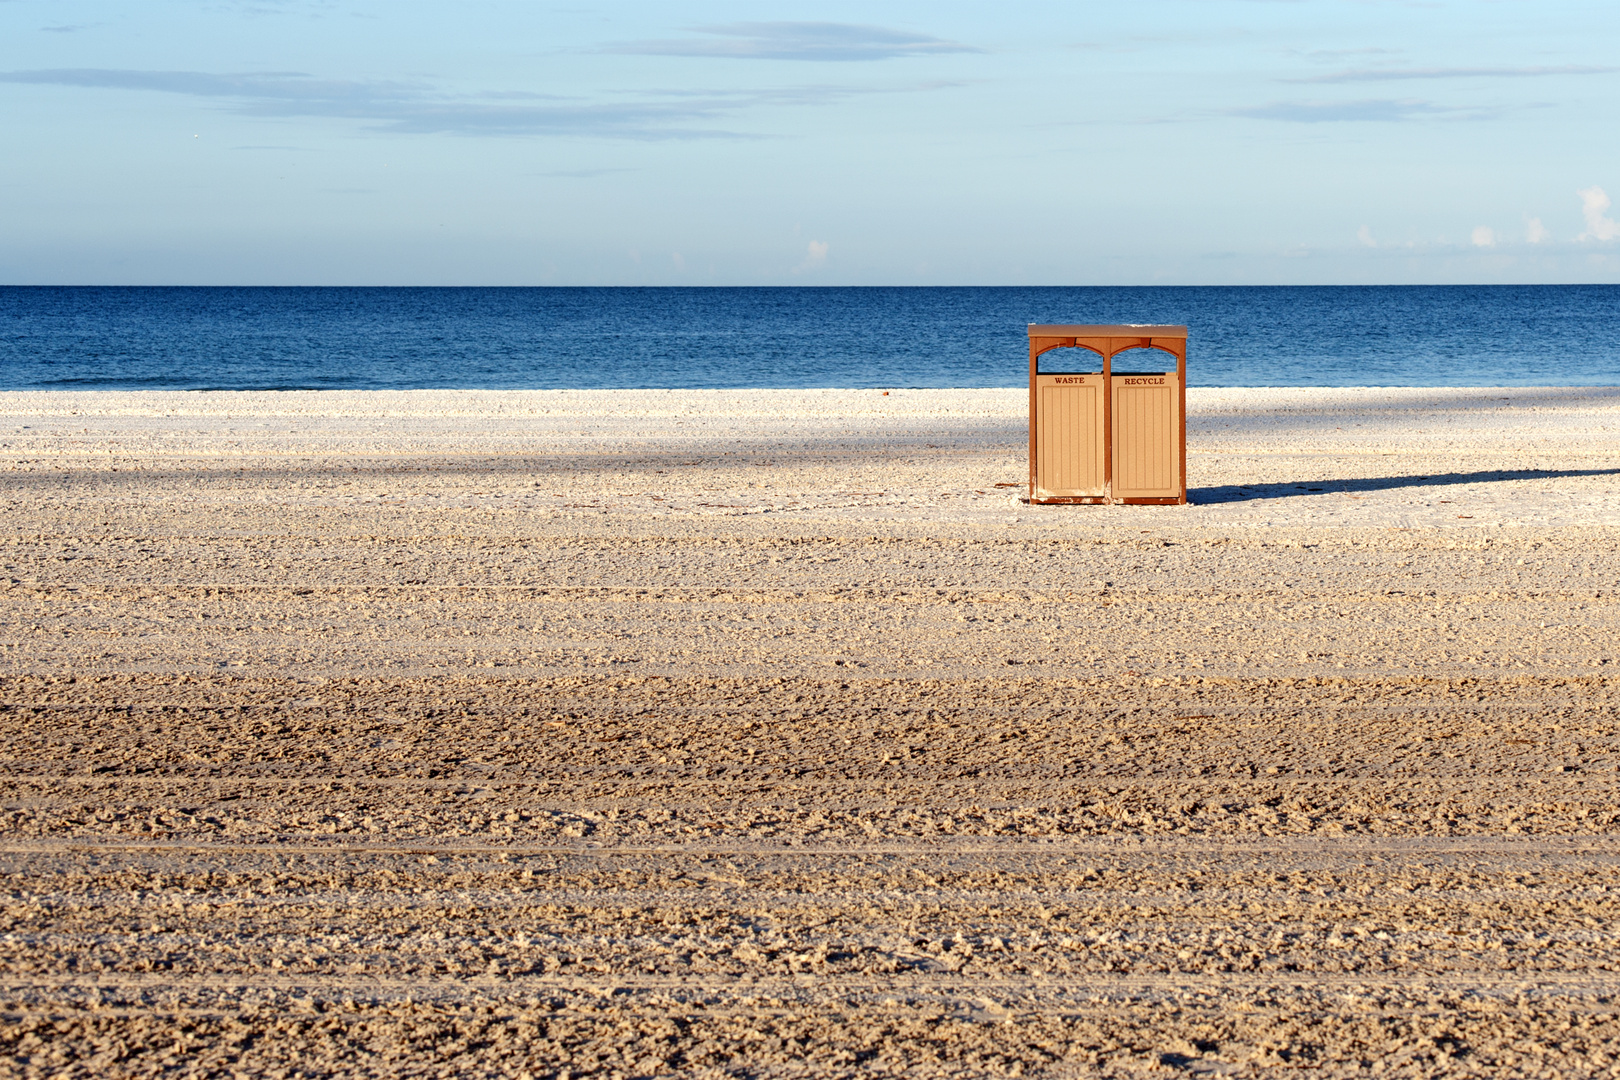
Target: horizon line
(1156, 285)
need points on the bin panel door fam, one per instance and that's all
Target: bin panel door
(1069, 436)
(1147, 437)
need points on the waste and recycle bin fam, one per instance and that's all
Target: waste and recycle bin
(1103, 435)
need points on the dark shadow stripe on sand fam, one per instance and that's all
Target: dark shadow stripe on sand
(1242, 492)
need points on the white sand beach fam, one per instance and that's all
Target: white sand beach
(1459, 458)
(651, 732)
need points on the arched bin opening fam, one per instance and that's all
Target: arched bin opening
(1107, 414)
(1069, 360)
(1143, 359)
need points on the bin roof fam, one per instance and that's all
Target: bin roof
(1126, 330)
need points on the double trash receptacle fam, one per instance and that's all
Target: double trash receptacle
(1105, 435)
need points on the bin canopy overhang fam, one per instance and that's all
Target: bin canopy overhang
(1105, 341)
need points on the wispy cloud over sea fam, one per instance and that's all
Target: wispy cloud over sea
(420, 108)
(1395, 74)
(1374, 111)
(840, 42)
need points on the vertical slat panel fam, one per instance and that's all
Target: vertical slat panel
(1069, 426)
(1147, 450)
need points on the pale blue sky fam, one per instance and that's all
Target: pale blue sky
(504, 143)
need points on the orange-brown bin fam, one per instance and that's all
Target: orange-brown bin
(1098, 434)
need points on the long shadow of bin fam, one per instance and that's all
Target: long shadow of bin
(1245, 492)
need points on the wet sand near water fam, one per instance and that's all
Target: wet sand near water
(768, 733)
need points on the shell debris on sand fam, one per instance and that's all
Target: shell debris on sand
(643, 733)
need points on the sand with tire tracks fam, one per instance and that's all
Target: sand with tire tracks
(768, 733)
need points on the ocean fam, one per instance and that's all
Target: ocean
(139, 338)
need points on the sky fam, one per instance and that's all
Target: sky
(493, 142)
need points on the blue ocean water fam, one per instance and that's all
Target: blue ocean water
(397, 338)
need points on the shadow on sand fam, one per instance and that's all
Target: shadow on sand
(1246, 492)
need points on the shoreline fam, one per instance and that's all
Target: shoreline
(819, 403)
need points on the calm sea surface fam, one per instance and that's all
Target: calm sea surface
(387, 338)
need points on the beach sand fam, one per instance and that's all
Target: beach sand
(768, 733)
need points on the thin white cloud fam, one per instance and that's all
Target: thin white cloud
(1535, 232)
(420, 108)
(841, 42)
(815, 256)
(263, 85)
(1364, 237)
(803, 94)
(1483, 236)
(1595, 208)
(406, 107)
(1342, 54)
(1379, 111)
(582, 174)
(1393, 74)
